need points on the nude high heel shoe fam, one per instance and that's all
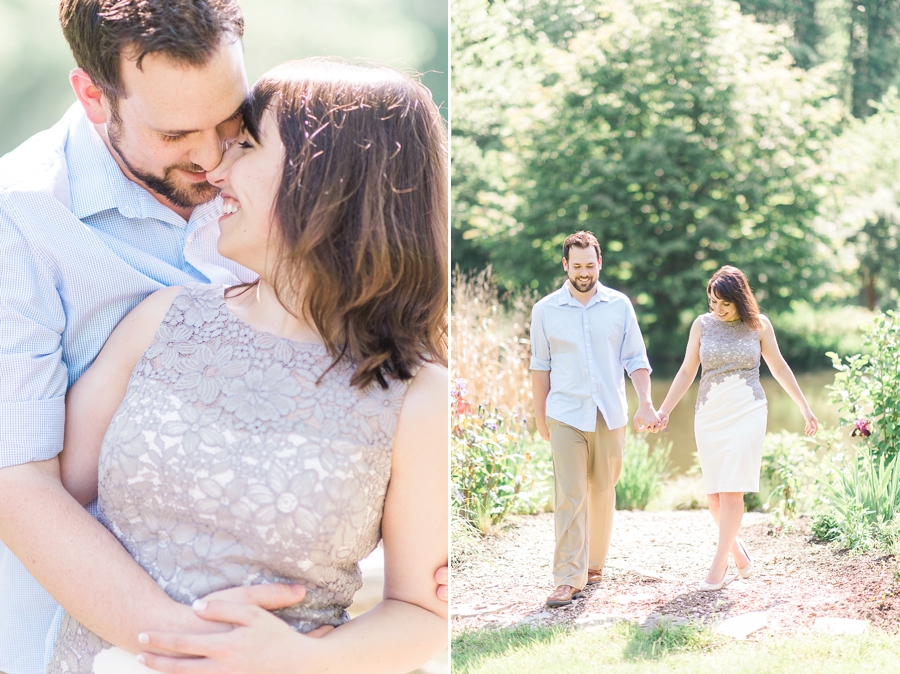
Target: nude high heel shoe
(713, 587)
(747, 571)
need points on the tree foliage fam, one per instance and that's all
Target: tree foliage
(678, 132)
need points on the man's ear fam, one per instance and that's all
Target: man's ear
(89, 95)
(565, 265)
(599, 262)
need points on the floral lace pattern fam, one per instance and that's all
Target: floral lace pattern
(226, 464)
(728, 348)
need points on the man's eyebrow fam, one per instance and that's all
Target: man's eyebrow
(184, 132)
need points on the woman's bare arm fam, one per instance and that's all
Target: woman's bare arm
(686, 374)
(783, 373)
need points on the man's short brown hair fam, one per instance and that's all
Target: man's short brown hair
(188, 31)
(581, 239)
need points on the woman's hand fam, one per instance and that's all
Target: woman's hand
(260, 643)
(663, 421)
(812, 424)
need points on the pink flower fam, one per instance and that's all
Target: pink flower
(861, 428)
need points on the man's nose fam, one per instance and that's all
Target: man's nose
(208, 149)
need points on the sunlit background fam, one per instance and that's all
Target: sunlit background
(410, 35)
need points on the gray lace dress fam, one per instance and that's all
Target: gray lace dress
(731, 411)
(226, 464)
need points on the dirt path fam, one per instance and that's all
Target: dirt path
(655, 562)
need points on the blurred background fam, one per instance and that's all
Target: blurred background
(410, 35)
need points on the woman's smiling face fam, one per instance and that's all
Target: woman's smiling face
(249, 177)
(723, 310)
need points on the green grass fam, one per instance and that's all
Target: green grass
(624, 649)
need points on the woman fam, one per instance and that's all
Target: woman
(730, 418)
(274, 432)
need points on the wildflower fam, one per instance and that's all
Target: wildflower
(458, 390)
(861, 428)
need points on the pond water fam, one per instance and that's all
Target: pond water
(783, 412)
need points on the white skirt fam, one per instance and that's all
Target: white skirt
(730, 429)
(118, 661)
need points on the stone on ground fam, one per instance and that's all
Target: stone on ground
(840, 625)
(743, 625)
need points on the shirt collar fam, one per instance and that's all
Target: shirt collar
(97, 184)
(565, 296)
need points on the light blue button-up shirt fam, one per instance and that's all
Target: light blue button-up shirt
(587, 349)
(80, 246)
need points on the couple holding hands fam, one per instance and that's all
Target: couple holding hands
(584, 336)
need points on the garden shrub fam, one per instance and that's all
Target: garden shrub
(825, 526)
(789, 474)
(643, 472)
(864, 498)
(493, 469)
(867, 387)
(488, 465)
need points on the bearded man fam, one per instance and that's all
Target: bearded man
(584, 336)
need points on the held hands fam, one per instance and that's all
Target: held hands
(646, 418)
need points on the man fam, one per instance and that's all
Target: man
(109, 205)
(582, 338)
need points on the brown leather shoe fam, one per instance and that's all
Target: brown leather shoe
(563, 595)
(594, 576)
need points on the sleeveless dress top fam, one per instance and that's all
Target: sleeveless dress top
(731, 409)
(227, 464)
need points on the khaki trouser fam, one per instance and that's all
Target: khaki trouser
(586, 467)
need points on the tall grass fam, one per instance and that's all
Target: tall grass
(643, 472)
(489, 344)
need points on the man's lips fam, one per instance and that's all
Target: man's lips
(191, 176)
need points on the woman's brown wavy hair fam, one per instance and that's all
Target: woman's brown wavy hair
(730, 284)
(361, 212)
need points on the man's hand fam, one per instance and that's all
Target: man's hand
(259, 643)
(542, 428)
(646, 418)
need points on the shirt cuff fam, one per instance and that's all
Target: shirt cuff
(637, 364)
(539, 364)
(31, 430)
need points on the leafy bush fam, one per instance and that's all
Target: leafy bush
(642, 472)
(496, 468)
(789, 474)
(825, 526)
(487, 464)
(864, 499)
(867, 387)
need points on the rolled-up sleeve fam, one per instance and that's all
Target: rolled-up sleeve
(32, 372)
(540, 345)
(634, 353)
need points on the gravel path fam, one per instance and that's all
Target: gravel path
(655, 563)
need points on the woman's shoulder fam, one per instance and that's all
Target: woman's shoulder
(430, 381)
(765, 325)
(700, 321)
(152, 310)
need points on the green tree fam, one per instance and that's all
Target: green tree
(677, 131)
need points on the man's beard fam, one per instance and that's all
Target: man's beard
(181, 195)
(582, 286)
